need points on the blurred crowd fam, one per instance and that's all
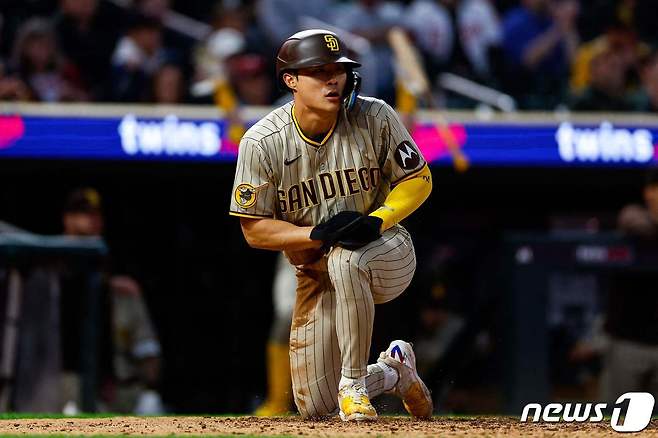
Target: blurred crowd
(597, 55)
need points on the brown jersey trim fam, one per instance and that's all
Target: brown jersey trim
(305, 138)
(250, 216)
(408, 177)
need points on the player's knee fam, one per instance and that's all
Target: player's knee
(381, 295)
(341, 260)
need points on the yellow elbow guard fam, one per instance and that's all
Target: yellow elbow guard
(405, 198)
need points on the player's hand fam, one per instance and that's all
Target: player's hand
(333, 229)
(365, 231)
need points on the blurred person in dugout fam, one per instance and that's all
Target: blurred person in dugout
(131, 345)
(279, 383)
(630, 357)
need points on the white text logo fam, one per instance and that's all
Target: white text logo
(635, 419)
(169, 137)
(604, 143)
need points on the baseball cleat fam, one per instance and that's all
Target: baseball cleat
(354, 404)
(410, 388)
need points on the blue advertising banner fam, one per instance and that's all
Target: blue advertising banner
(564, 144)
(126, 138)
(171, 138)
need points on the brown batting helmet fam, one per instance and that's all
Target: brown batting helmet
(311, 48)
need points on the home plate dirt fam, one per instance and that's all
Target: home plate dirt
(294, 426)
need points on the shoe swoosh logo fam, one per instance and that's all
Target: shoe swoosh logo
(397, 350)
(287, 161)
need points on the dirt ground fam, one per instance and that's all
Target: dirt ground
(294, 426)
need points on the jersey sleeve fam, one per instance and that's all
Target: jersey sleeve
(254, 193)
(403, 157)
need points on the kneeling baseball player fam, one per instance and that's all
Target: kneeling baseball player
(326, 178)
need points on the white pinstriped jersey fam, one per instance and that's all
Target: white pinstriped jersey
(283, 174)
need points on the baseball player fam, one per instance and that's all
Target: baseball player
(134, 342)
(279, 395)
(326, 178)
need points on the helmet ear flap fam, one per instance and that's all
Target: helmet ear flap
(352, 88)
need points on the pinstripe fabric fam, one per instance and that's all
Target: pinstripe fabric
(374, 274)
(283, 175)
(304, 183)
(332, 322)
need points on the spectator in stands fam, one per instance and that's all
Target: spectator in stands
(15, 13)
(153, 8)
(176, 40)
(212, 56)
(282, 18)
(607, 89)
(135, 348)
(138, 55)
(620, 39)
(539, 40)
(169, 85)
(647, 99)
(600, 14)
(372, 20)
(639, 15)
(250, 79)
(232, 15)
(455, 35)
(2, 32)
(87, 31)
(238, 16)
(40, 65)
(11, 88)
(233, 35)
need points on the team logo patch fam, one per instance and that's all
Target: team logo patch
(245, 195)
(407, 156)
(332, 43)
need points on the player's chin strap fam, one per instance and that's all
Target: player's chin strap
(350, 99)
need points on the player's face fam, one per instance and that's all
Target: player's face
(83, 224)
(321, 88)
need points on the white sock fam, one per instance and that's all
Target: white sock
(346, 381)
(391, 376)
